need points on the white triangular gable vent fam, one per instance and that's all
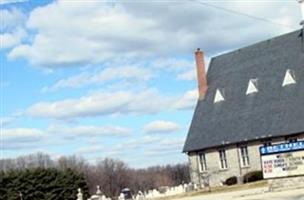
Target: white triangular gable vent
(218, 96)
(252, 86)
(289, 78)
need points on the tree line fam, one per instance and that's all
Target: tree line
(110, 174)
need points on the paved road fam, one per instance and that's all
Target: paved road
(253, 194)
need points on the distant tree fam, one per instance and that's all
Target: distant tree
(36, 174)
(178, 173)
(113, 176)
(7, 164)
(72, 162)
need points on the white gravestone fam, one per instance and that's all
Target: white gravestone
(121, 196)
(79, 195)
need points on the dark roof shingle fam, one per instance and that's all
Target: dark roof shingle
(272, 111)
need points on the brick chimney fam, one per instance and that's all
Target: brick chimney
(201, 73)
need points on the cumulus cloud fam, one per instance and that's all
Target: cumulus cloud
(187, 101)
(149, 101)
(18, 138)
(88, 131)
(126, 73)
(189, 75)
(165, 147)
(105, 33)
(102, 103)
(90, 150)
(173, 64)
(11, 39)
(12, 32)
(22, 134)
(11, 19)
(132, 145)
(3, 2)
(4, 121)
(161, 127)
(140, 30)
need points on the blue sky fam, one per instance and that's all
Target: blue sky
(117, 78)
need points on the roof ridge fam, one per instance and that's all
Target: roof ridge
(255, 44)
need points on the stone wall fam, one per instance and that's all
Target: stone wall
(216, 176)
(194, 170)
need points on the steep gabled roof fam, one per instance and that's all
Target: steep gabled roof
(272, 111)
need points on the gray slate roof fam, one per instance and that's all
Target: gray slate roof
(273, 111)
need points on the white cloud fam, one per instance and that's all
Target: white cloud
(18, 138)
(167, 146)
(4, 2)
(88, 131)
(11, 39)
(187, 101)
(173, 64)
(101, 31)
(4, 121)
(138, 142)
(132, 145)
(97, 149)
(12, 32)
(11, 19)
(189, 75)
(102, 103)
(161, 127)
(148, 101)
(125, 73)
(105, 33)
(22, 134)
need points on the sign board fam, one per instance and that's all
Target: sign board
(283, 160)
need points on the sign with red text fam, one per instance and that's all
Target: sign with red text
(283, 164)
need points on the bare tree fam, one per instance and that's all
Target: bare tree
(72, 162)
(7, 164)
(112, 175)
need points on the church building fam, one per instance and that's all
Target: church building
(250, 98)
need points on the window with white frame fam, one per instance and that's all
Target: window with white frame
(202, 162)
(244, 156)
(223, 159)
